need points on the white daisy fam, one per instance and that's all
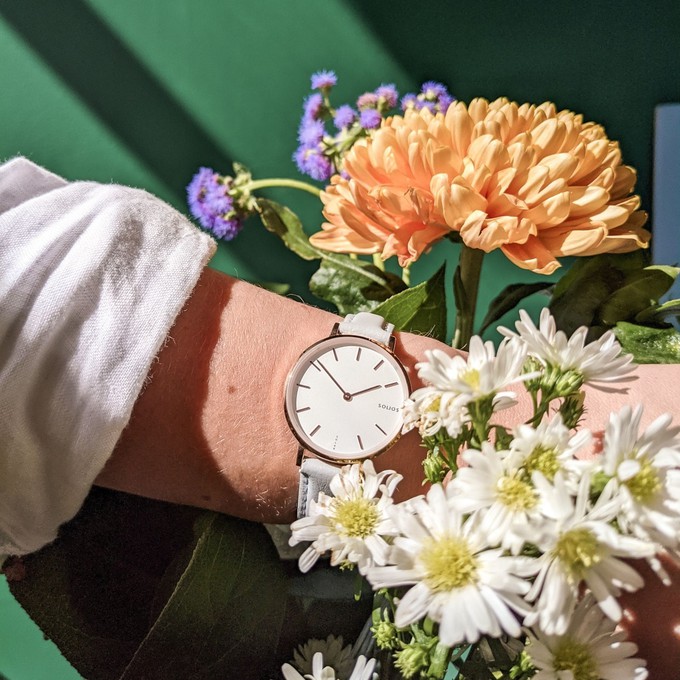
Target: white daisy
(549, 448)
(483, 373)
(579, 546)
(644, 475)
(353, 523)
(460, 583)
(363, 670)
(592, 363)
(335, 655)
(508, 502)
(429, 409)
(590, 649)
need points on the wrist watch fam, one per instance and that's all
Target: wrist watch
(343, 400)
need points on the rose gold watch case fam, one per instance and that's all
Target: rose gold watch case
(305, 442)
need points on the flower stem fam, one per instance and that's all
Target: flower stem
(283, 182)
(466, 290)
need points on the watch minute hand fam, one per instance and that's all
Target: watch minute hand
(368, 389)
(332, 378)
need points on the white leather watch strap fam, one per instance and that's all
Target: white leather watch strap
(315, 477)
(367, 325)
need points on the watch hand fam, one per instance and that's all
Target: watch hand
(368, 389)
(345, 393)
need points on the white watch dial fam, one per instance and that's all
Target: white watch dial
(344, 398)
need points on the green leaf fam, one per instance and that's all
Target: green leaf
(135, 588)
(274, 287)
(649, 345)
(641, 289)
(578, 295)
(509, 298)
(421, 309)
(352, 285)
(584, 267)
(658, 313)
(226, 609)
(283, 222)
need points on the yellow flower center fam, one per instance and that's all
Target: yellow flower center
(574, 656)
(433, 406)
(355, 517)
(578, 551)
(449, 563)
(516, 494)
(644, 485)
(471, 378)
(544, 460)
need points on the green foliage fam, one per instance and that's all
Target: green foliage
(283, 222)
(601, 291)
(274, 287)
(641, 290)
(352, 285)
(421, 309)
(649, 345)
(508, 299)
(131, 581)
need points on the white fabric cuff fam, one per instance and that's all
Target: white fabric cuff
(92, 278)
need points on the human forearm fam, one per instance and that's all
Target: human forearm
(209, 428)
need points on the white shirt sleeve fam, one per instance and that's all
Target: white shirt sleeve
(92, 278)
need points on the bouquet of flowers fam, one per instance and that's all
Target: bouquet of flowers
(512, 564)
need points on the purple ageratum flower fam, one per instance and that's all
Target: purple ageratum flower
(436, 93)
(313, 107)
(311, 161)
(445, 101)
(433, 96)
(408, 101)
(345, 115)
(226, 228)
(197, 190)
(310, 132)
(389, 94)
(433, 90)
(217, 199)
(323, 80)
(370, 119)
(430, 106)
(210, 203)
(368, 100)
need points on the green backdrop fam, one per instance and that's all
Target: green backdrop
(142, 93)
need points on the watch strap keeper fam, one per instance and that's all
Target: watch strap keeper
(367, 325)
(315, 477)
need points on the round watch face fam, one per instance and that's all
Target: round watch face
(344, 398)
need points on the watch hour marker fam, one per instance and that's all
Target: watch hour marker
(335, 354)
(379, 364)
(307, 387)
(315, 430)
(361, 444)
(302, 410)
(380, 428)
(391, 384)
(358, 353)
(315, 366)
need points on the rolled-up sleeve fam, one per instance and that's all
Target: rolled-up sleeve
(92, 277)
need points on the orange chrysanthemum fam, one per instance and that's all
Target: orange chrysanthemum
(536, 183)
